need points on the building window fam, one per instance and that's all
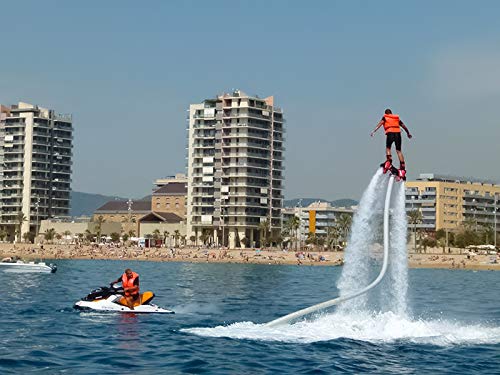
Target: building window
(176, 204)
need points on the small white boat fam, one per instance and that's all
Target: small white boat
(9, 265)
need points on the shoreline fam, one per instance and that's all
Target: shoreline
(436, 260)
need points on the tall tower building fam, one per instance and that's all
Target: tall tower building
(35, 170)
(235, 170)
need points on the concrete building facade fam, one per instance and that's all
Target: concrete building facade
(170, 197)
(36, 166)
(316, 218)
(446, 202)
(235, 168)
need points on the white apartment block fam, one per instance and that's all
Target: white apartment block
(35, 170)
(316, 218)
(235, 169)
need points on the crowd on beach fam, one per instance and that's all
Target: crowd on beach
(433, 258)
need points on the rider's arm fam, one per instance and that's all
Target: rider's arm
(380, 123)
(401, 123)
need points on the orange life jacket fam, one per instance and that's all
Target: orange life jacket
(391, 124)
(129, 283)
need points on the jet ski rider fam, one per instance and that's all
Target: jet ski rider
(130, 284)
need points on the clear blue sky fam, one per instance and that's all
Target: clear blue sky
(127, 71)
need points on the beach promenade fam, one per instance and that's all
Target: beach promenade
(432, 258)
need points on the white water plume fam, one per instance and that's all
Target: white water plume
(366, 227)
(395, 286)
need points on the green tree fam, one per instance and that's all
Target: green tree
(344, 223)
(89, 236)
(192, 239)
(28, 237)
(414, 218)
(20, 219)
(205, 236)
(49, 235)
(125, 237)
(166, 233)
(293, 225)
(177, 236)
(311, 238)
(98, 226)
(115, 237)
(156, 234)
(3, 234)
(332, 236)
(131, 233)
(264, 228)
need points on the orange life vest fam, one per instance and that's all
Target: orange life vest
(129, 283)
(391, 124)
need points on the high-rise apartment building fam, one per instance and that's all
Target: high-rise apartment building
(35, 169)
(235, 169)
(446, 202)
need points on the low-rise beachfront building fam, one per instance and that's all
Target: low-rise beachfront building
(235, 169)
(35, 167)
(127, 212)
(137, 216)
(316, 218)
(170, 197)
(446, 202)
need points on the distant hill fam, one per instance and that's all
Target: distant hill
(304, 202)
(84, 204)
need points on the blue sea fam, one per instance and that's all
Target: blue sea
(453, 324)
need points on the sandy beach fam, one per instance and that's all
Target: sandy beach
(432, 258)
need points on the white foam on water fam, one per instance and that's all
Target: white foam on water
(370, 327)
(356, 319)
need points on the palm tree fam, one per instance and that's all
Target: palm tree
(98, 228)
(166, 233)
(131, 233)
(414, 218)
(205, 236)
(88, 235)
(184, 240)
(344, 224)
(3, 234)
(27, 236)
(66, 233)
(177, 235)
(49, 234)
(264, 228)
(20, 218)
(115, 237)
(293, 225)
(332, 236)
(156, 234)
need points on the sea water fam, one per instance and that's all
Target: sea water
(452, 325)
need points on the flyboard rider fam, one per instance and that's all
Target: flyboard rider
(392, 125)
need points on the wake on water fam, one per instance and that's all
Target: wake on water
(382, 314)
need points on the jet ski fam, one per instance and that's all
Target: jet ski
(112, 299)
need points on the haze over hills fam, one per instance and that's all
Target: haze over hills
(84, 204)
